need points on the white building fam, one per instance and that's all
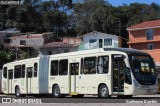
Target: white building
(96, 39)
(33, 40)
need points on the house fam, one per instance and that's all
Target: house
(96, 39)
(67, 44)
(32, 40)
(56, 48)
(146, 37)
(29, 43)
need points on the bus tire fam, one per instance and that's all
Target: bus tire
(56, 91)
(103, 91)
(18, 92)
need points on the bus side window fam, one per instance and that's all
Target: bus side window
(35, 69)
(10, 74)
(17, 71)
(103, 62)
(29, 72)
(89, 65)
(5, 72)
(63, 67)
(23, 71)
(82, 66)
(54, 68)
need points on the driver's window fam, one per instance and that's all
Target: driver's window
(128, 79)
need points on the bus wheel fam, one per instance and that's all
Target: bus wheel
(56, 91)
(103, 92)
(17, 92)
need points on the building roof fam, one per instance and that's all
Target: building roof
(145, 25)
(96, 33)
(57, 45)
(71, 40)
(28, 36)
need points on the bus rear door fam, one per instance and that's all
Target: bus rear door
(10, 79)
(29, 79)
(74, 70)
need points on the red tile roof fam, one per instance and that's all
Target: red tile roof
(148, 24)
(71, 40)
(57, 45)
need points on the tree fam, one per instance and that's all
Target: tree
(85, 17)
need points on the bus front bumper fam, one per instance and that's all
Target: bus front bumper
(146, 90)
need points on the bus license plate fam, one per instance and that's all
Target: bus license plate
(148, 91)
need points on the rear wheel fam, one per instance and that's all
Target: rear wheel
(56, 91)
(103, 92)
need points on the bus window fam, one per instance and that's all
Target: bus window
(35, 69)
(74, 68)
(17, 71)
(29, 72)
(103, 62)
(10, 74)
(63, 67)
(89, 65)
(54, 68)
(23, 70)
(5, 72)
(128, 78)
(81, 66)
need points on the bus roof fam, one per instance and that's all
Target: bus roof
(21, 61)
(127, 50)
(93, 51)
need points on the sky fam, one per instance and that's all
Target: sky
(121, 2)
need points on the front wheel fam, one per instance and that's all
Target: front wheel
(56, 91)
(103, 92)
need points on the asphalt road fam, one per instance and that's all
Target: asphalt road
(86, 99)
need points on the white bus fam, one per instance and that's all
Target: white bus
(103, 72)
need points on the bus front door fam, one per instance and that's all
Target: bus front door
(29, 79)
(74, 69)
(10, 78)
(118, 68)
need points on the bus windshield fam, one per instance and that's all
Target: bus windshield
(143, 69)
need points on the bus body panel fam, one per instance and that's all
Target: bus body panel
(74, 83)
